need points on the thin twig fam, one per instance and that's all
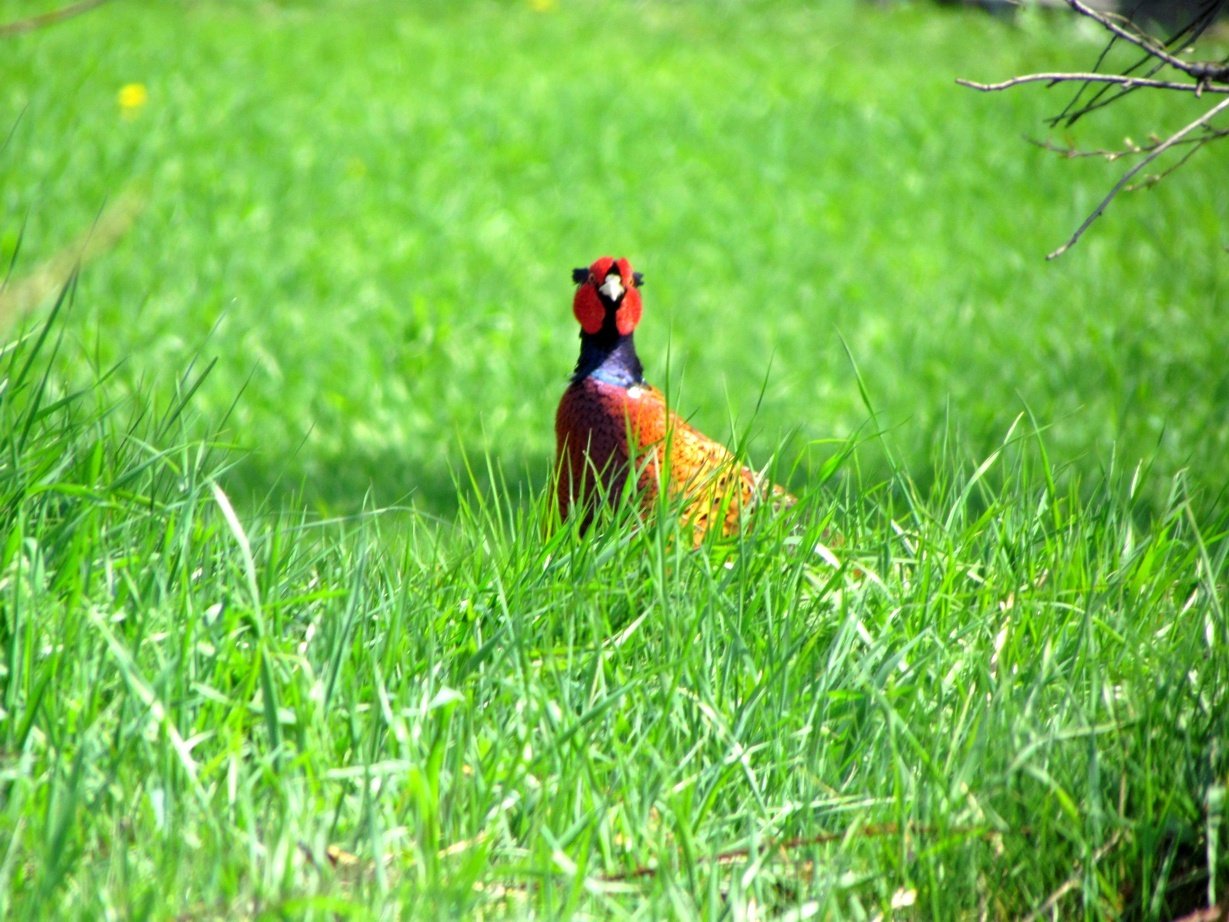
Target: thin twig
(1197, 69)
(1151, 181)
(1104, 95)
(47, 19)
(1069, 113)
(1072, 153)
(1121, 79)
(787, 845)
(1130, 174)
(1073, 881)
(1133, 149)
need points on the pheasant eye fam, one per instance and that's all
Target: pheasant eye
(638, 278)
(580, 276)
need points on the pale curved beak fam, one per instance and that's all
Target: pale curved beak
(612, 288)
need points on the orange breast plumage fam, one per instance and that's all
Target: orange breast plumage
(605, 433)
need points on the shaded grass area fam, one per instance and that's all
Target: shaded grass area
(367, 215)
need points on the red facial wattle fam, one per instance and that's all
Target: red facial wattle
(628, 314)
(588, 308)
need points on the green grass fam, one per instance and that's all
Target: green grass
(278, 569)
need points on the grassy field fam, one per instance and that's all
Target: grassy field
(286, 629)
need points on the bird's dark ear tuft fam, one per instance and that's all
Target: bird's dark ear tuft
(580, 276)
(638, 278)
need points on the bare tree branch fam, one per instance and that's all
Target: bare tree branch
(1106, 94)
(1160, 57)
(1150, 181)
(1126, 178)
(1200, 70)
(1131, 148)
(1122, 79)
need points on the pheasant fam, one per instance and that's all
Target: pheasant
(611, 424)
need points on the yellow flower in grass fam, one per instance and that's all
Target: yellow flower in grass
(132, 96)
(543, 6)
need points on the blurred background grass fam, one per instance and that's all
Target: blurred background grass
(367, 213)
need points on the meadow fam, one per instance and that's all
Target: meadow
(287, 627)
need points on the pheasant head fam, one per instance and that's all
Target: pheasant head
(607, 305)
(608, 297)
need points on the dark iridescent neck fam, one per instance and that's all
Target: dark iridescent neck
(610, 358)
